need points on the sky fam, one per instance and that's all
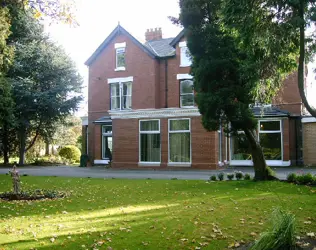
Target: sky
(97, 19)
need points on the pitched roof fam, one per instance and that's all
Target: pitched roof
(162, 47)
(117, 31)
(177, 38)
(270, 111)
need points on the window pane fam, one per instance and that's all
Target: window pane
(115, 102)
(127, 88)
(185, 56)
(106, 129)
(115, 89)
(269, 125)
(271, 145)
(187, 100)
(120, 58)
(107, 147)
(127, 102)
(179, 147)
(186, 87)
(241, 148)
(149, 126)
(179, 125)
(150, 147)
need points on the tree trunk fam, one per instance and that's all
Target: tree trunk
(260, 166)
(301, 63)
(5, 141)
(22, 144)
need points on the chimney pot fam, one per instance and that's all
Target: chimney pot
(153, 34)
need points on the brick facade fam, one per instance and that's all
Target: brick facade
(309, 137)
(155, 86)
(126, 137)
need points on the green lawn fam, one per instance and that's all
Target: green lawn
(148, 214)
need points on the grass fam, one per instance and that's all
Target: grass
(148, 214)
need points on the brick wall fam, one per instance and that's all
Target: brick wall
(286, 140)
(126, 145)
(288, 97)
(309, 143)
(140, 65)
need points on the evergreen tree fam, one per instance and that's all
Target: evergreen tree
(229, 74)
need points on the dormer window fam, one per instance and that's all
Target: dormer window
(120, 56)
(185, 57)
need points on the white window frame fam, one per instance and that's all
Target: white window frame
(187, 61)
(118, 47)
(269, 162)
(105, 135)
(180, 164)
(272, 132)
(181, 106)
(120, 81)
(146, 163)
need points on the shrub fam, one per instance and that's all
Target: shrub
(291, 177)
(239, 175)
(305, 179)
(221, 176)
(281, 235)
(247, 177)
(230, 176)
(213, 178)
(71, 153)
(38, 194)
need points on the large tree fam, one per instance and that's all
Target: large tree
(45, 85)
(230, 75)
(252, 18)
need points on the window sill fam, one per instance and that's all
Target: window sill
(123, 110)
(179, 164)
(120, 69)
(149, 164)
(187, 107)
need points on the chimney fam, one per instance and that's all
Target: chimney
(153, 34)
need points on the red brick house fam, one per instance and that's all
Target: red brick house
(141, 111)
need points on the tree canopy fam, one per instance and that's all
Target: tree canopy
(45, 85)
(292, 20)
(233, 70)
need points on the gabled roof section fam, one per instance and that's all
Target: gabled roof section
(162, 47)
(119, 30)
(177, 38)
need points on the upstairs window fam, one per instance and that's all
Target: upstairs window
(120, 56)
(186, 93)
(185, 57)
(121, 95)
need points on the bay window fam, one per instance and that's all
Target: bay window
(149, 141)
(179, 141)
